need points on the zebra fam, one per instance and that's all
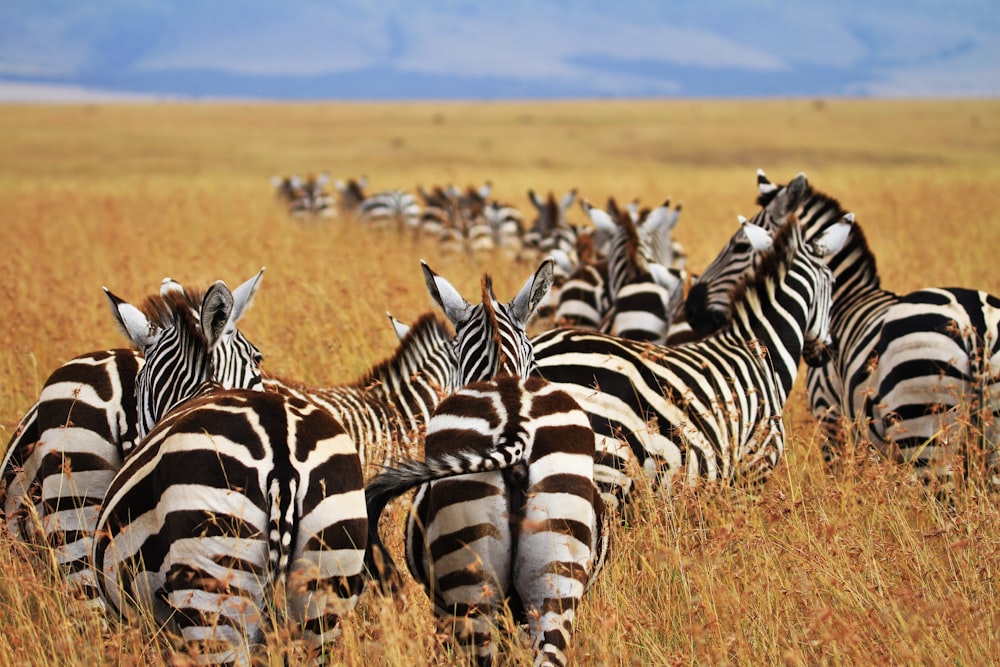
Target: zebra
(307, 197)
(61, 457)
(640, 290)
(351, 194)
(844, 392)
(550, 229)
(392, 208)
(530, 524)
(236, 497)
(709, 409)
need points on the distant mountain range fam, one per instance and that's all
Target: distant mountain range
(457, 49)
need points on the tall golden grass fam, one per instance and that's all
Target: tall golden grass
(850, 566)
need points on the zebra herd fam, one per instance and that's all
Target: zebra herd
(180, 482)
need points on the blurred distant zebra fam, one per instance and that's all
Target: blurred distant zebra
(550, 229)
(307, 197)
(351, 194)
(529, 525)
(394, 209)
(710, 409)
(235, 496)
(60, 460)
(905, 376)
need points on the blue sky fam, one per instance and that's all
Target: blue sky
(448, 49)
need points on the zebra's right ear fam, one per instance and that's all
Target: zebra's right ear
(216, 311)
(534, 291)
(243, 299)
(455, 306)
(132, 322)
(539, 204)
(601, 219)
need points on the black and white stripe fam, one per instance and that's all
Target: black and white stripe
(61, 459)
(234, 496)
(705, 410)
(394, 209)
(841, 391)
(529, 525)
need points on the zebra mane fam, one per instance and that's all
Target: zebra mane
(773, 261)
(176, 307)
(491, 317)
(423, 335)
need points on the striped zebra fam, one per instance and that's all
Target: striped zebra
(63, 454)
(844, 391)
(529, 524)
(710, 409)
(351, 194)
(393, 208)
(550, 230)
(304, 198)
(631, 293)
(234, 500)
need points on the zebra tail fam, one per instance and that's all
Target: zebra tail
(405, 475)
(280, 533)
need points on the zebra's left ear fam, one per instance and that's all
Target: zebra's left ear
(601, 219)
(455, 307)
(567, 200)
(216, 311)
(398, 327)
(534, 291)
(834, 238)
(662, 216)
(759, 237)
(132, 322)
(243, 299)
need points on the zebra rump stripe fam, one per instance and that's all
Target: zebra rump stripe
(938, 358)
(528, 524)
(710, 409)
(234, 495)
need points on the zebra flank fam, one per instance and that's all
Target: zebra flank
(506, 507)
(232, 497)
(394, 209)
(705, 410)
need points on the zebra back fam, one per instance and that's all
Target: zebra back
(188, 339)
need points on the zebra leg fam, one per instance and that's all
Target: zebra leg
(469, 537)
(554, 549)
(327, 575)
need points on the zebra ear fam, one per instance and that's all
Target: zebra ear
(534, 291)
(455, 307)
(600, 218)
(567, 200)
(759, 237)
(562, 260)
(485, 190)
(834, 238)
(296, 181)
(539, 204)
(323, 179)
(132, 322)
(242, 299)
(168, 285)
(662, 216)
(216, 312)
(764, 184)
(398, 327)
(664, 277)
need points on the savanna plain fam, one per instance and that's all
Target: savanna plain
(838, 566)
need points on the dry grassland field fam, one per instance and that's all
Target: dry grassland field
(837, 567)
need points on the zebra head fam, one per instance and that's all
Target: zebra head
(188, 339)
(490, 336)
(708, 305)
(804, 258)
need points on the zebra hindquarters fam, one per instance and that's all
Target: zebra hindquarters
(326, 571)
(459, 547)
(562, 538)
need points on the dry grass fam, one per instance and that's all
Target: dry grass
(821, 568)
